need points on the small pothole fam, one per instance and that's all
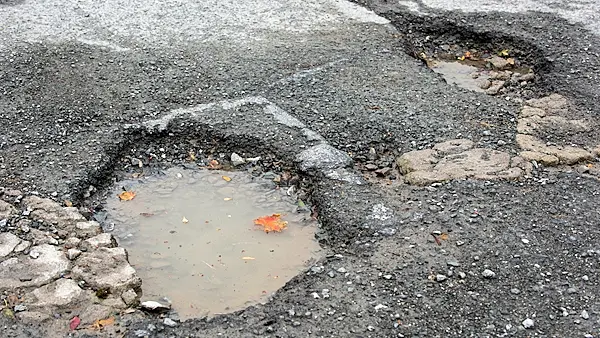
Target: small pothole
(484, 72)
(191, 237)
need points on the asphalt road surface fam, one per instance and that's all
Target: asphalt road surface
(333, 90)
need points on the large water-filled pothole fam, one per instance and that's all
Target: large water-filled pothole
(190, 235)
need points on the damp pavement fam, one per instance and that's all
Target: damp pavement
(498, 235)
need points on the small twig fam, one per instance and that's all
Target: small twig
(210, 266)
(436, 239)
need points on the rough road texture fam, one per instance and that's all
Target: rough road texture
(325, 87)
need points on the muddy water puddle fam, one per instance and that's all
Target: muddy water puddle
(191, 237)
(459, 74)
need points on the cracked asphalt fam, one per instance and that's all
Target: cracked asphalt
(325, 87)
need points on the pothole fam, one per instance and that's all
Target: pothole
(191, 237)
(486, 72)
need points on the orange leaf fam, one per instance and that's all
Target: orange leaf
(214, 164)
(444, 236)
(100, 323)
(126, 195)
(226, 178)
(271, 223)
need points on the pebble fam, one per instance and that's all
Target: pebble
(34, 254)
(515, 291)
(317, 269)
(73, 253)
(21, 307)
(440, 278)
(584, 314)
(141, 333)
(342, 270)
(237, 160)
(331, 274)
(488, 274)
(525, 240)
(453, 263)
(169, 322)
(387, 231)
(528, 323)
(462, 275)
(585, 278)
(155, 306)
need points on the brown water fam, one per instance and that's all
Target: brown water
(191, 237)
(457, 73)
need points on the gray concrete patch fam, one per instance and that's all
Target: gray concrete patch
(25, 271)
(8, 242)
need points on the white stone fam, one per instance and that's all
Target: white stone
(169, 322)
(73, 253)
(8, 242)
(528, 323)
(488, 273)
(237, 159)
(155, 306)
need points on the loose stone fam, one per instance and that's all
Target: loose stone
(528, 323)
(488, 274)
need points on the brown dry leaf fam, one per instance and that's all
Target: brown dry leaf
(271, 223)
(248, 258)
(510, 61)
(68, 203)
(226, 178)
(444, 236)
(214, 164)
(126, 195)
(100, 323)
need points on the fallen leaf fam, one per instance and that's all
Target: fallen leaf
(74, 323)
(100, 323)
(227, 199)
(192, 157)
(185, 220)
(8, 313)
(444, 236)
(68, 203)
(589, 165)
(503, 52)
(126, 195)
(214, 164)
(248, 258)
(510, 61)
(226, 178)
(271, 223)
(461, 58)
